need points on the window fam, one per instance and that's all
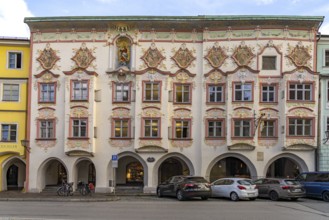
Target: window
(328, 124)
(242, 128)
(182, 93)
(243, 92)
(182, 129)
(215, 93)
(47, 92)
(15, 60)
(8, 132)
(326, 58)
(215, 128)
(268, 93)
(10, 92)
(121, 128)
(269, 63)
(151, 91)
(122, 92)
(79, 128)
(151, 128)
(302, 92)
(300, 127)
(80, 90)
(46, 129)
(268, 128)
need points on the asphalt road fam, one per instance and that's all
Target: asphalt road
(166, 208)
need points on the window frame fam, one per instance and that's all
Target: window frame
(39, 127)
(312, 129)
(275, 92)
(296, 83)
(129, 136)
(189, 129)
(275, 129)
(11, 91)
(73, 99)
(251, 131)
(152, 91)
(189, 92)
(143, 136)
(40, 92)
(16, 62)
(242, 91)
(223, 129)
(72, 128)
(114, 92)
(325, 58)
(222, 94)
(9, 132)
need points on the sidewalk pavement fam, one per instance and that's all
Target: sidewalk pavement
(17, 195)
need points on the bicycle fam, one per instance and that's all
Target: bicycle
(85, 189)
(66, 189)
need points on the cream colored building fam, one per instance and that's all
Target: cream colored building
(206, 95)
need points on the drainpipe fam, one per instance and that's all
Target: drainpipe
(316, 154)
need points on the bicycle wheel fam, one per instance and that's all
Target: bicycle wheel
(60, 191)
(83, 191)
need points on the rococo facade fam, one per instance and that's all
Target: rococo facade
(213, 96)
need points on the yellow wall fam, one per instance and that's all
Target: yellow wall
(13, 112)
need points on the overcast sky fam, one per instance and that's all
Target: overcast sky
(12, 12)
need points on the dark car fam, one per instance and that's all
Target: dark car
(277, 188)
(183, 187)
(316, 184)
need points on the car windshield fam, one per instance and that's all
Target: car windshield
(244, 182)
(196, 179)
(291, 182)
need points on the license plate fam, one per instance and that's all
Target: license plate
(251, 194)
(297, 190)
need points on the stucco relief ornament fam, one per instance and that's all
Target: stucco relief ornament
(181, 144)
(182, 77)
(79, 112)
(216, 56)
(243, 55)
(45, 144)
(83, 57)
(84, 144)
(183, 57)
(47, 57)
(301, 77)
(215, 143)
(215, 77)
(152, 57)
(300, 55)
(242, 76)
(120, 143)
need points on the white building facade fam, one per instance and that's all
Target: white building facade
(208, 95)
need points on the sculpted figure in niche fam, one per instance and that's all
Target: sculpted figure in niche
(123, 45)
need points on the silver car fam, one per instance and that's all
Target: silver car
(276, 188)
(234, 188)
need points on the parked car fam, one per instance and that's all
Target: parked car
(316, 184)
(184, 187)
(276, 188)
(234, 188)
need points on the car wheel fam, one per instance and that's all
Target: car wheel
(294, 199)
(204, 197)
(234, 196)
(159, 193)
(252, 199)
(180, 195)
(274, 196)
(325, 196)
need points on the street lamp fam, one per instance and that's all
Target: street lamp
(26, 144)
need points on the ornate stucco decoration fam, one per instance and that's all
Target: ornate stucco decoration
(181, 143)
(182, 113)
(183, 57)
(242, 112)
(45, 144)
(243, 55)
(216, 56)
(301, 112)
(241, 147)
(152, 57)
(299, 147)
(47, 57)
(151, 112)
(121, 112)
(215, 113)
(151, 146)
(46, 113)
(215, 143)
(267, 143)
(269, 112)
(182, 77)
(79, 112)
(215, 77)
(120, 143)
(83, 56)
(300, 55)
(78, 148)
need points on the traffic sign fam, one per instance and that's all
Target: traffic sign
(114, 157)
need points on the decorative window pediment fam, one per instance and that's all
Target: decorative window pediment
(299, 147)
(241, 147)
